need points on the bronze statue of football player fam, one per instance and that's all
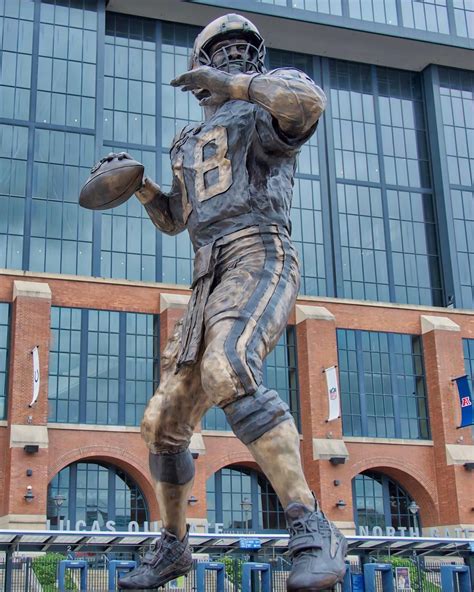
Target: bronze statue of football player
(232, 190)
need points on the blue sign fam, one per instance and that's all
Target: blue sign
(465, 400)
(250, 544)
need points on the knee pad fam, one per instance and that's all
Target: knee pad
(252, 416)
(176, 469)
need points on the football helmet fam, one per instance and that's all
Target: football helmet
(230, 27)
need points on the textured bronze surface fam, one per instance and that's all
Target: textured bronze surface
(232, 190)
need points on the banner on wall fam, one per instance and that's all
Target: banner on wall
(36, 375)
(465, 400)
(333, 393)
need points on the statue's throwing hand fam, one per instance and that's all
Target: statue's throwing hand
(210, 86)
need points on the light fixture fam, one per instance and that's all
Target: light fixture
(341, 504)
(337, 460)
(29, 495)
(31, 448)
(413, 507)
(336, 482)
(195, 455)
(469, 466)
(192, 500)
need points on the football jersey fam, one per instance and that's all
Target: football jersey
(234, 170)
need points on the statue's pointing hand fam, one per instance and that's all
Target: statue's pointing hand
(209, 85)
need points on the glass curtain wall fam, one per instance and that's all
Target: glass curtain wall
(103, 366)
(93, 492)
(442, 17)
(379, 501)
(84, 81)
(383, 391)
(456, 89)
(243, 500)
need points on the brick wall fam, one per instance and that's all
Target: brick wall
(441, 490)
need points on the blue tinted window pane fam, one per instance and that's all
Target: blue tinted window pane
(64, 365)
(428, 15)
(13, 163)
(383, 392)
(130, 80)
(457, 108)
(16, 36)
(243, 500)
(4, 346)
(374, 11)
(178, 109)
(95, 493)
(322, 6)
(129, 238)
(306, 212)
(381, 147)
(464, 18)
(67, 64)
(103, 366)
(61, 231)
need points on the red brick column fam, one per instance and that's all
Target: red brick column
(172, 307)
(30, 327)
(322, 440)
(443, 355)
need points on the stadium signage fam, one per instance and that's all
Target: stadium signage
(411, 532)
(217, 528)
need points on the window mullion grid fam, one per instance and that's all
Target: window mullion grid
(383, 187)
(159, 139)
(334, 252)
(360, 377)
(441, 186)
(218, 495)
(324, 185)
(99, 133)
(31, 138)
(395, 371)
(73, 494)
(122, 363)
(254, 501)
(111, 495)
(451, 18)
(83, 367)
(387, 508)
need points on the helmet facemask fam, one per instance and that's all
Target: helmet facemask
(233, 55)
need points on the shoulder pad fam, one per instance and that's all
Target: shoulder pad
(290, 73)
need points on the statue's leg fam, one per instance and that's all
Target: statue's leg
(231, 372)
(167, 428)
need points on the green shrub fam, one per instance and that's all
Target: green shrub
(46, 569)
(425, 585)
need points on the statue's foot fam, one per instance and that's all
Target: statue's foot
(169, 559)
(318, 550)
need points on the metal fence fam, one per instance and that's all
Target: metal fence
(39, 573)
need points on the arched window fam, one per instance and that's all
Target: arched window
(242, 499)
(380, 501)
(95, 492)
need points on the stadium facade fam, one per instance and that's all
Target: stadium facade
(383, 219)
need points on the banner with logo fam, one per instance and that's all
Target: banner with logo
(333, 393)
(465, 400)
(36, 376)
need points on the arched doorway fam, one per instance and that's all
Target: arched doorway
(241, 499)
(379, 501)
(95, 493)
